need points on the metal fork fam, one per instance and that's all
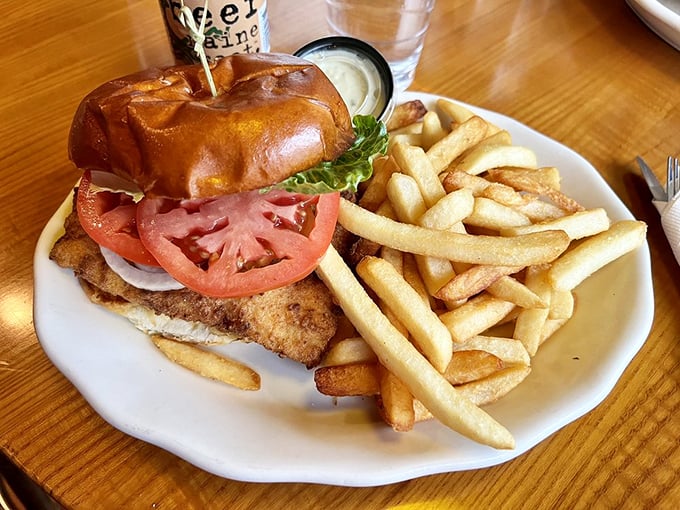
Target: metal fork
(673, 178)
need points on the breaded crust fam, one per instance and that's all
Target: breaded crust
(296, 321)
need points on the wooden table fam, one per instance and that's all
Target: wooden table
(589, 74)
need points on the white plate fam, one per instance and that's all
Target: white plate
(287, 432)
(661, 16)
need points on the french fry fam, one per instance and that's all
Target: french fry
(473, 281)
(455, 111)
(348, 351)
(430, 335)
(406, 198)
(375, 194)
(470, 365)
(395, 401)
(529, 322)
(401, 358)
(487, 157)
(432, 130)
(533, 182)
(475, 316)
(351, 380)
(394, 257)
(491, 215)
(459, 113)
(508, 350)
(405, 114)
(414, 162)
(497, 385)
(577, 226)
(208, 364)
(593, 253)
(539, 210)
(459, 179)
(463, 136)
(524, 250)
(509, 289)
(504, 195)
(561, 304)
(414, 278)
(448, 211)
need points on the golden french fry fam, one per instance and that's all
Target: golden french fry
(491, 388)
(408, 139)
(459, 113)
(495, 136)
(432, 130)
(405, 114)
(508, 350)
(473, 281)
(459, 179)
(395, 402)
(463, 136)
(413, 162)
(394, 257)
(405, 197)
(487, 157)
(540, 210)
(470, 365)
(491, 215)
(349, 350)
(509, 289)
(577, 225)
(533, 182)
(401, 358)
(475, 316)
(595, 252)
(529, 322)
(374, 193)
(351, 380)
(448, 211)
(428, 332)
(561, 304)
(504, 195)
(525, 250)
(208, 363)
(413, 277)
(435, 272)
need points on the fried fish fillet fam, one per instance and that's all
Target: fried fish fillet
(296, 321)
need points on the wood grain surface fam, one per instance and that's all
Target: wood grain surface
(587, 73)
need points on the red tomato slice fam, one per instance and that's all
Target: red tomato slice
(110, 219)
(241, 244)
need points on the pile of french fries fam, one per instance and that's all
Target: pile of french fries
(467, 261)
(468, 258)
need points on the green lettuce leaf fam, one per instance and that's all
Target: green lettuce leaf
(346, 172)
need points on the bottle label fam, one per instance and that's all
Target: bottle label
(231, 26)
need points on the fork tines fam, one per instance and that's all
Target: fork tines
(673, 178)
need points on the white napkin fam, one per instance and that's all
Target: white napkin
(670, 221)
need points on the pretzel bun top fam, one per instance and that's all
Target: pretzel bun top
(274, 115)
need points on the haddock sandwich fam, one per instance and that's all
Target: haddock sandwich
(202, 217)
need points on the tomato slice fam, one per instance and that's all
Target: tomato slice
(241, 244)
(110, 219)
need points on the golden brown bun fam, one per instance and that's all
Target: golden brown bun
(274, 115)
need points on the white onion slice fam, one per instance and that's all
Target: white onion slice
(111, 182)
(142, 277)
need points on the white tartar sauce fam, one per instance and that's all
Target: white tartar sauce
(355, 77)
